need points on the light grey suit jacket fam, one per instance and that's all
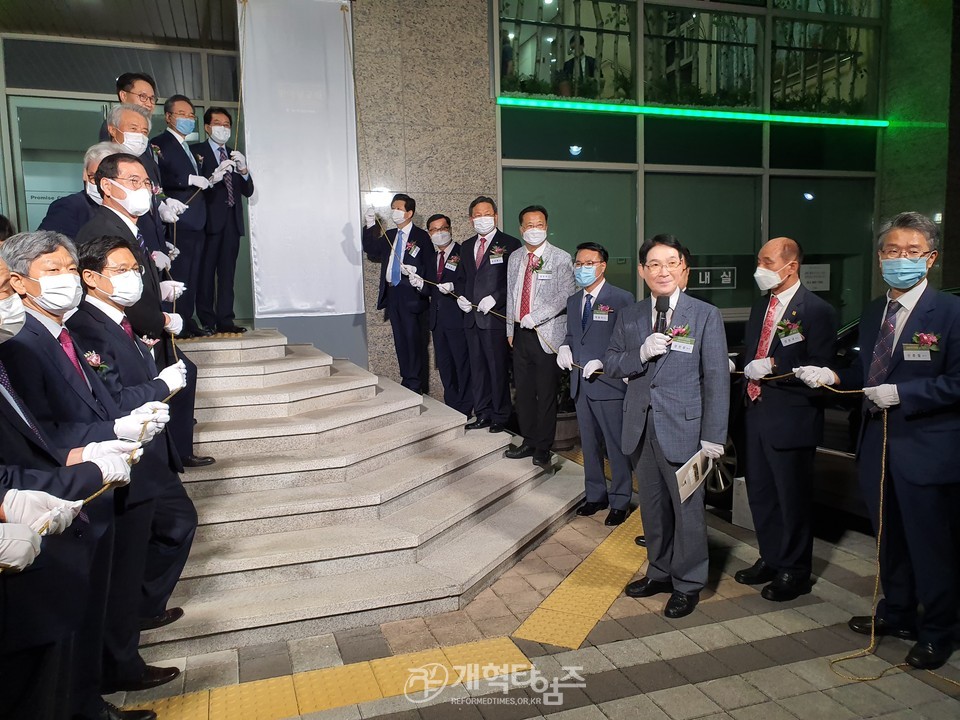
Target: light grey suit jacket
(688, 393)
(554, 284)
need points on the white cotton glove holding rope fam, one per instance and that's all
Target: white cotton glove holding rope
(756, 369)
(171, 209)
(37, 508)
(445, 288)
(464, 304)
(592, 367)
(527, 322)
(175, 376)
(174, 324)
(486, 304)
(731, 365)
(173, 251)
(813, 376)
(19, 546)
(408, 269)
(170, 290)
(883, 396)
(564, 357)
(198, 181)
(370, 217)
(161, 260)
(109, 448)
(240, 162)
(416, 282)
(655, 345)
(113, 469)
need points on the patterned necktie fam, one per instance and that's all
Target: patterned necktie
(228, 178)
(763, 347)
(480, 244)
(397, 254)
(883, 349)
(66, 342)
(143, 245)
(587, 309)
(128, 329)
(440, 266)
(527, 286)
(8, 386)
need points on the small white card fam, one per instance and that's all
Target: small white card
(414, 252)
(601, 317)
(544, 274)
(496, 259)
(913, 352)
(792, 339)
(448, 266)
(682, 344)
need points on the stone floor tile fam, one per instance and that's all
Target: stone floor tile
(712, 637)
(348, 712)
(221, 657)
(946, 709)
(526, 600)
(790, 621)
(756, 604)
(572, 698)
(651, 677)
(732, 692)
(515, 705)
(864, 700)
(700, 667)
(641, 626)
(545, 581)
(252, 652)
(723, 609)
(624, 607)
(778, 682)
(529, 647)
(818, 673)
(908, 690)
(869, 666)
(413, 625)
(447, 711)
(532, 565)
(671, 645)
(816, 706)
(401, 644)
(456, 634)
(784, 649)
(742, 658)
(359, 649)
(763, 711)
(550, 548)
(610, 685)
(638, 707)
(823, 641)
(210, 676)
(497, 627)
(582, 713)
(266, 666)
(508, 586)
(626, 653)
(455, 617)
(751, 628)
(314, 653)
(608, 631)
(563, 563)
(683, 703)
(491, 606)
(590, 660)
(548, 666)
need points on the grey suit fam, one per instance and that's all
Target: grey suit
(672, 403)
(599, 399)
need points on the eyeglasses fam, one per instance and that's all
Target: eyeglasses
(136, 183)
(144, 98)
(120, 269)
(182, 114)
(670, 265)
(589, 263)
(439, 229)
(538, 226)
(913, 253)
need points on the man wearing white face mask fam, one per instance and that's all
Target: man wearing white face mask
(784, 420)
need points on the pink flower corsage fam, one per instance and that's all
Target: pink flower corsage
(679, 331)
(604, 309)
(498, 250)
(927, 341)
(411, 246)
(454, 261)
(94, 361)
(785, 328)
(149, 342)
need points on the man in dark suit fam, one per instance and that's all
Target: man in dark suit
(591, 314)
(784, 420)
(68, 214)
(218, 266)
(446, 320)
(581, 66)
(401, 251)
(484, 283)
(133, 88)
(909, 371)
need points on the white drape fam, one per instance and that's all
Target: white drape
(300, 128)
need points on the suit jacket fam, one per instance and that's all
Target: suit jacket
(689, 393)
(791, 410)
(591, 343)
(175, 170)
(554, 284)
(488, 279)
(216, 196)
(377, 247)
(589, 63)
(445, 314)
(926, 423)
(68, 214)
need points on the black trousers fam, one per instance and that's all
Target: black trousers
(36, 682)
(453, 364)
(186, 269)
(537, 381)
(409, 339)
(489, 380)
(182, 405)
(218, 266)
(171, 536)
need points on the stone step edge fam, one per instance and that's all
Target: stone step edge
(298, 357)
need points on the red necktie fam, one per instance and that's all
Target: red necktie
(128, 329)
(527, 283)
(763, 347)
(67, 344)
(481, 242)
(440, 265)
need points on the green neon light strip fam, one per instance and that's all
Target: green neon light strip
(687, 113)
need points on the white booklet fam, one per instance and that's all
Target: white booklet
(690, 476)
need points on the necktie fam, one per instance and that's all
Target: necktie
(527, 286)
(143, 245)
(587, 310)
(440, 266)
(193, 160)
(883, 349)
(480, 244)
(66, 342)
(8, 386)
(228, 178)
(763, 347)
(397, 255)
(127, 328)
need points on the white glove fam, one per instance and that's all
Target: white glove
(756, 369)
(160, 260)
(173, 251)
(464, 304)
(114, 469)
(19, 546)
(654, 346)
(110, 447)
(174, 325)
(175, 376)
(416, 282)
(36, 509)
(591, 367)
(170, 290)
(732, 366)
(221, 171)
(564, 357)
(240, 162)
(486, 304)
(140, 427)
(526, 322)
(198, 181)
(171, 209)
(408, 269)
(813, 376)
(883, 396)
(154, 407)
(445, 288)
(711, 450)
(369, 217)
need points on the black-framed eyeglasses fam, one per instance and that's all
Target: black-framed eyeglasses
(912, 253)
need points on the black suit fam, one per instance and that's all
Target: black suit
(446, 324)
(68, 214)
(783, 428)
(487, 334)
(218, 265)
(405, 305)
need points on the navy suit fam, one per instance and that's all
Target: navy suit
(487, 334)
(404, 305)
(599, 400)
(446, 324)
(783, 428)
(921, 490)
(68, 214)
(218, 266)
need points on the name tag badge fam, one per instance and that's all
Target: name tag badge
(791, 339)
(682, 344)
(414, 252)
(913, 352)
(600, 317)
(496, 259)
(544, 274)
(448, 266)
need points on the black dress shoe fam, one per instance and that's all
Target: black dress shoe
(641, 540)
(591, 508)
(543, 460)
(206, 332)
(152, 677)
(787, 586)
(615, 517)
(496, 427)
(861, 624)
(929, 656)
(168, 616)
(757, 575)
(197, 460)
(521, 451)
(645, 587)
(187, 335)
(478, 424)
(680, 604)
(112, 712)
(232, 329)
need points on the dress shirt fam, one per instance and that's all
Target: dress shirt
(593, 294)
(186, 148)
(673, 304)
(397, 254)
(783, 299)
(523, 269)
(908, 301)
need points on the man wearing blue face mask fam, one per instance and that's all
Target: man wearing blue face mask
(591, 315)
(910, 367)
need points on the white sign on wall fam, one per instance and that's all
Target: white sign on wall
(816, 277)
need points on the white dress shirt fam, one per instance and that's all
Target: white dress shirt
(673, 305)
(908, 301)
(783, 299)
(593, 295)
(523, 269)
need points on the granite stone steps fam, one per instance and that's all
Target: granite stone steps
(300, 363)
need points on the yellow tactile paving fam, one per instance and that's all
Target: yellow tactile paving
(557, 628)
(336, 686)
(260, 700)
(486, 659)
(195, 706)
(413, 672)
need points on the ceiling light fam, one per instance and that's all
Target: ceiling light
(575, 150)
(808, 196)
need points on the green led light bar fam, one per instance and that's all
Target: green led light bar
(686, 112)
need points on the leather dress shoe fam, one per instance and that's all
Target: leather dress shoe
(615, 517)
(152, 677)
(477, 424)
(544, 460)
(197, 460)
(232, 329)
(641, 540)
(787, 586)
(645, 587)
(205, 332)
(680, 604)
(168, 616)
(861, 624)
(929, 656)
(591, 508)
(757, 575)
(187, 335)
(521, 451)
(496, 427)
(112, 712)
